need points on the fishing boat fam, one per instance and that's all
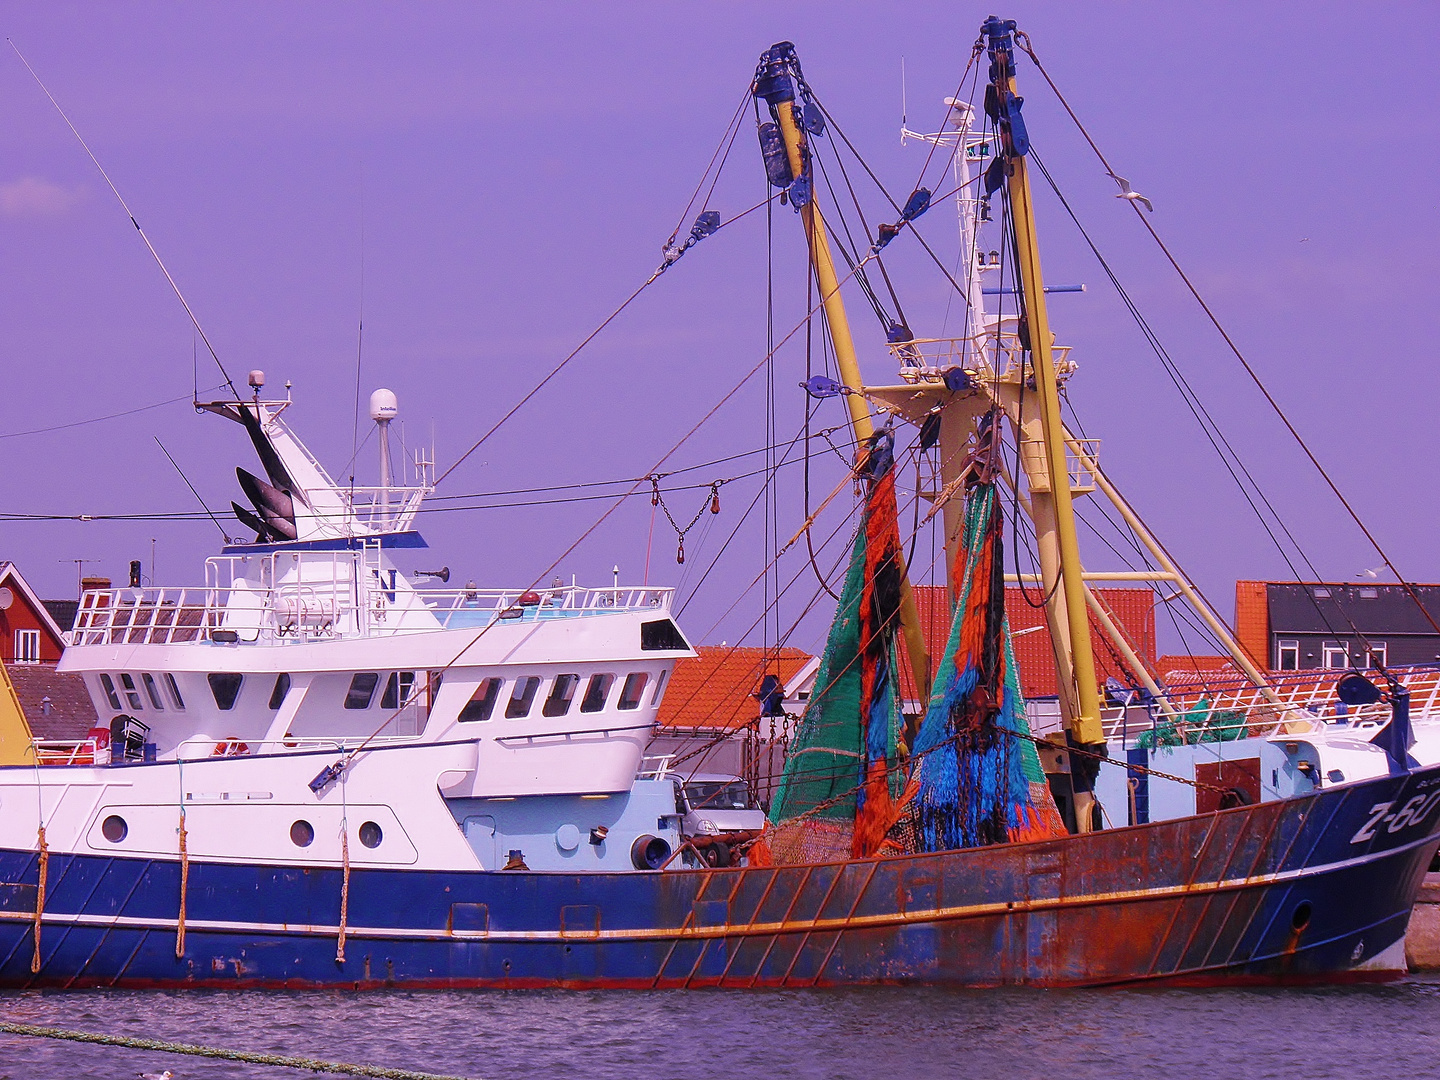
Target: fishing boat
(320, 772)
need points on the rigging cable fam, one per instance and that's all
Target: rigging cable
(1024, 42)
(128, 213)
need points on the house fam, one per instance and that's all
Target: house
(1302, 625)
(57, 705)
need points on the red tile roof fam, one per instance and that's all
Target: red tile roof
(1133, 610)
(716, 690)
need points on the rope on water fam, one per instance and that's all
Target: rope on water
(184, 888)
(284, 1060)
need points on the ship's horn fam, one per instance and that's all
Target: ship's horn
(443, 574)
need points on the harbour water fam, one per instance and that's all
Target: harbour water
(1350, 1032)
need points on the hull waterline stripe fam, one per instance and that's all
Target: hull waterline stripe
(696, 932)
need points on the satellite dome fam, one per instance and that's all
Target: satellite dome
(383, 405)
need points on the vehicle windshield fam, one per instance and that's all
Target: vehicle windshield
(718, 794)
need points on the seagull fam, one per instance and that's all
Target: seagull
(1375, 573)
(1127, 193)
(166, 1075)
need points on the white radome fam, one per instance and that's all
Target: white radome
(383, 405)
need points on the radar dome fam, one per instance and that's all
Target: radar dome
(383, 405)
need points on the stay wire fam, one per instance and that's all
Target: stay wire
(130, 214)
(1024, 42)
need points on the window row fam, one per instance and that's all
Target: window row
(137, 692)
(563, 690)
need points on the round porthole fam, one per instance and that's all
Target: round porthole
(114, 829)
(370, 834)
(302, 834)
(567, 837)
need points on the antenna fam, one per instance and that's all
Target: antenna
(80, 571)
(128, 213)
(192, 489)
(904, 108)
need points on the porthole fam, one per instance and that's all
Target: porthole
(302, 833)
(114, 829)
(371, 835)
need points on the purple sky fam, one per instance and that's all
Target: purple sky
(514, 175)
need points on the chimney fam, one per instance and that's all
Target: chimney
(88, 583)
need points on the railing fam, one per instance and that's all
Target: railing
(64, 751)
(314, 610)
(979, 355)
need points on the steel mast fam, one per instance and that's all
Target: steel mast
(775, 83)
(1003, 105)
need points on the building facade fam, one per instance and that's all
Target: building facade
(1300, 625)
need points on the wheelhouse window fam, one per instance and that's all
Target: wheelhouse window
(152, 691)
(481, 705)
(172, 688)
(522, 697)
(562, 693)
(362, 690)
(597, 692)
(659, 688)
(108, 685)
(27, 646)
(279, 690)
(661, 634)
(399, 688)
(1287, 655)
(132, 692)
(225, 686)
(633, 690)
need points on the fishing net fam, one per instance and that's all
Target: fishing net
(977, 777)
(837, 795)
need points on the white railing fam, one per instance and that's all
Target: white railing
(979, 355)
(310, 610)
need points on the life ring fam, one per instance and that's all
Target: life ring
(230, 746)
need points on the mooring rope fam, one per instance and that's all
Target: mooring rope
(184, 888)
(344, 890)
(285, 1060)
(40, 896)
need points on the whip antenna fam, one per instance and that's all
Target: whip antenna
(125, 206)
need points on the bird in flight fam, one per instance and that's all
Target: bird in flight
(1126, 192)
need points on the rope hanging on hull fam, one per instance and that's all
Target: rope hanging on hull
(44, 850)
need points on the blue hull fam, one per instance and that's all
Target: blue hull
(1306, 889)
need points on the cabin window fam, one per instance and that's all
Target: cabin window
(152, 692)
(132, 692)
(1376, 654)
(173, 689)
(1287, 655)
(562, 693)
(362, 690)
(108, 685)
(280, 689)
(596, 693)
(225, 685)
(398, 689)
(633, 690)
(661, 634)
(659, 688)
(1336, 655)
(27, 646)
(522, 697)
(481, 705)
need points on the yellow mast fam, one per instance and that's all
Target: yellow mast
(1084, 723)
(775, 83)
